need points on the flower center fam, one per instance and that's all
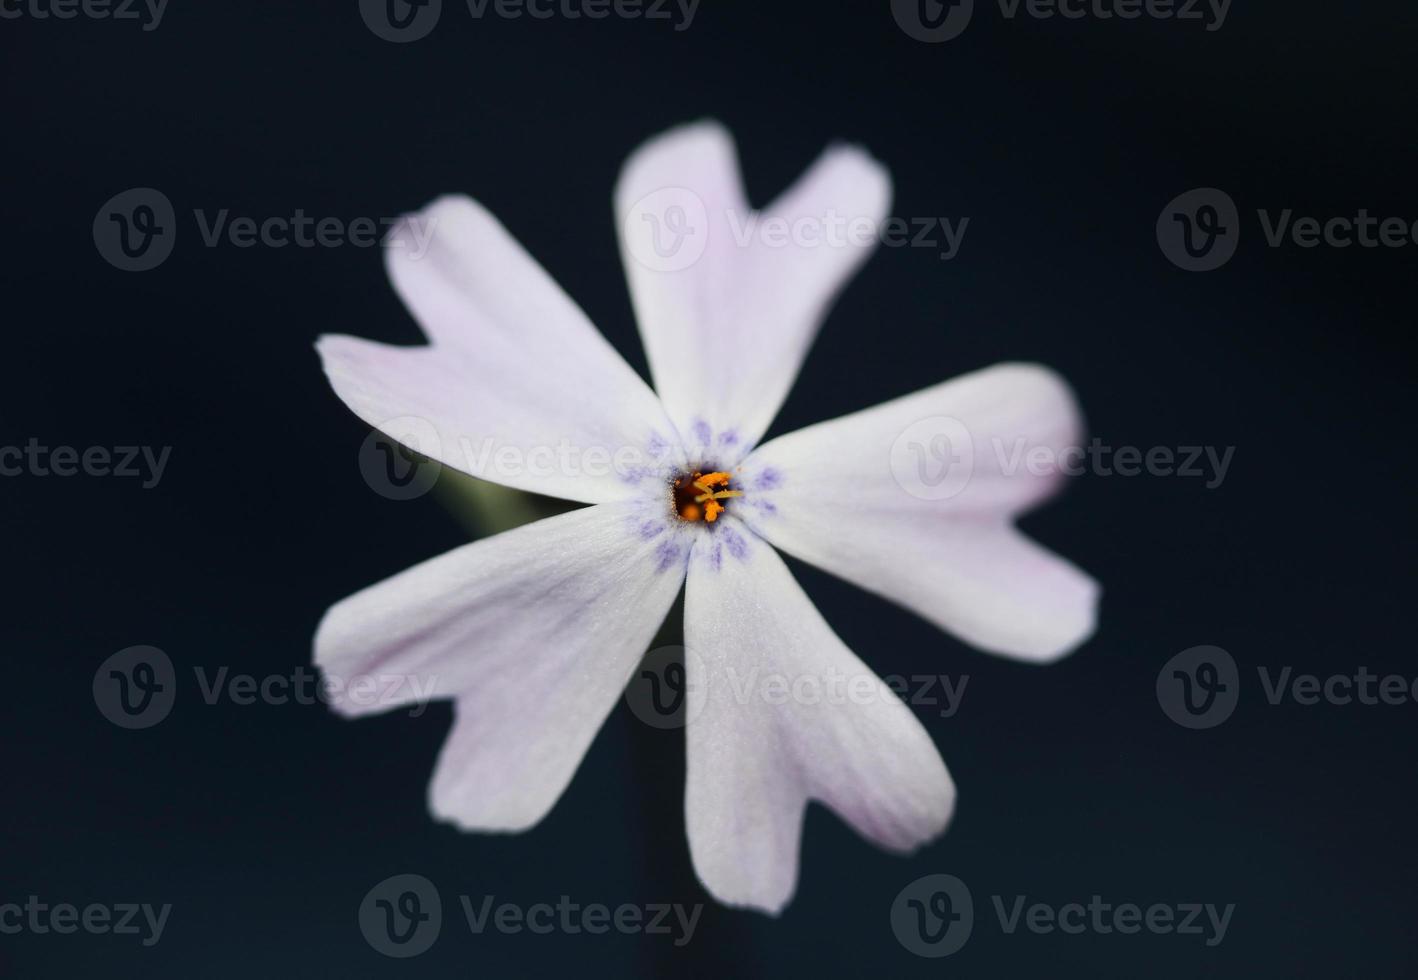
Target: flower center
(701, 496)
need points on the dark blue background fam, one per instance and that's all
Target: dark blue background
(264, 826)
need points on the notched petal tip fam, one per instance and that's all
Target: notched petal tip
(1031, 373)
(861, 173)
(330, 652)
(1066, 640)
(443, 218)
(1040, 385)
(332, 347)
(706, 133)
(447, 811)
(669, 158)
(350, 362)
(937, 817)
(770, 899)
(771, 907)
(774, 897)
(1071, 623)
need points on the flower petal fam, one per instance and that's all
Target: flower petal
(534, 632)
(727, 307)
(517, 386)
(789, 715)
(879, 499)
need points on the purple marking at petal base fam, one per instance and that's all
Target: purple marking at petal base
(649, 530)
(734, 541)
(701, 431)
(657, 446)
(729, 437)
(666, 556)
(769, 479)
(716, 557)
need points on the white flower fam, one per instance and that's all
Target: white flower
(535, 632)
